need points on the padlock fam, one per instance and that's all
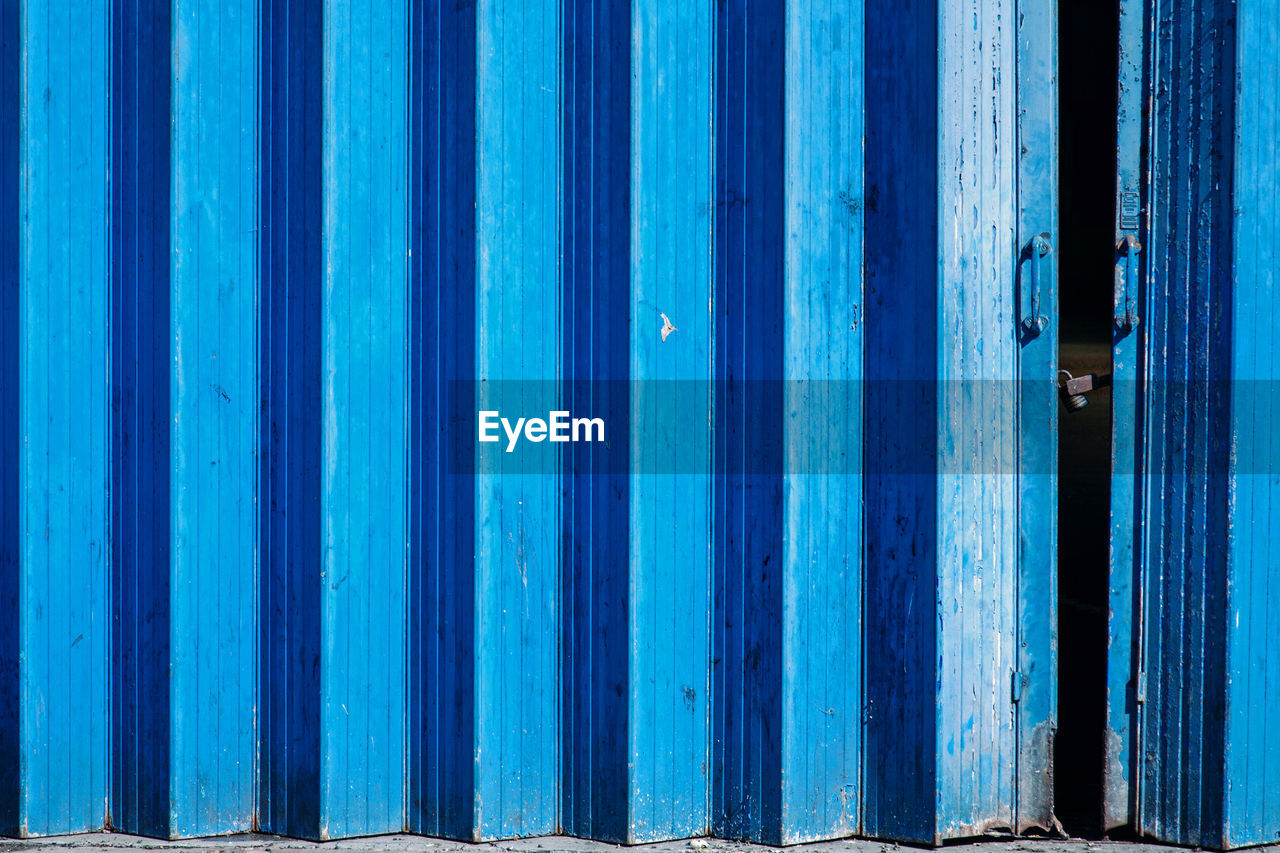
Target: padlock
(1073, 390)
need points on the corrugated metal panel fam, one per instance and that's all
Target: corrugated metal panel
(518, 332)
(183, 278)
(213, 407)
(333, 256)
(1251, 813)
(669, 536)
(960, 605)
(290, 444)
(363, 489)
(335, 229)
(789, 328)
(10, 431)
(1199, 708)
(442, 595)
(58, 574)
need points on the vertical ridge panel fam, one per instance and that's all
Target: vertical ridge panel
(518, 333)
(750, 171)
(977, 359)
(670, 420)
(10, 431)
(958, 458)
(141, 543)
(1036, 585)
(1123, 627)
(1251, 811)
(443, 351)
(290, 455)
(365, 415)
(595, 546)
(822, 538)
(1187, 365)
(900, 665)
(789, 362)
(214, 398)
(63, 557)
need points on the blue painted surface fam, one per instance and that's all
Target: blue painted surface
(140, 378)
(1183, 434)
(333, 322)
(1201, 766)
(442, 594)
(789, 357)
(820, 735)
(183, 376)
(214, 399)
(1251, 813)
(364, 208)
(599, 502)
(977, 355)
(1037, 405)
(901, 409)
(670, 421)
(290, 427)
(1125, 482)
(750, 339)
(364, 405)
(63, 553)
(518, 332)
(10, 431)
(957, 635)
(1185, 429)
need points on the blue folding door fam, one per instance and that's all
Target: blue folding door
(961, 343)
(1194, 658)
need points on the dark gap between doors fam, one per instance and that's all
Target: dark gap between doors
(1087, 57)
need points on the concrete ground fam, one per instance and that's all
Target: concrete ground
(114, 843)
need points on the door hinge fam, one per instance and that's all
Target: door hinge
(1140, 688)
(1016, 686)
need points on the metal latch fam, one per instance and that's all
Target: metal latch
(1074, 388)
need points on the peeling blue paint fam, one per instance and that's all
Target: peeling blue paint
(261, 260)
(1193, 623)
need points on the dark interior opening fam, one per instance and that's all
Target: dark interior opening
(1087, 57)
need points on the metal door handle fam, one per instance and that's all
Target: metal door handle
(1034, 322)
(1126, 310)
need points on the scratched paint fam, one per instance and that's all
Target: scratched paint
(960, 558)
(789, 219)
(368, 211)
(1192, 644)
(363, 484)
(55, 770)
(362, 207)
(183, 376)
